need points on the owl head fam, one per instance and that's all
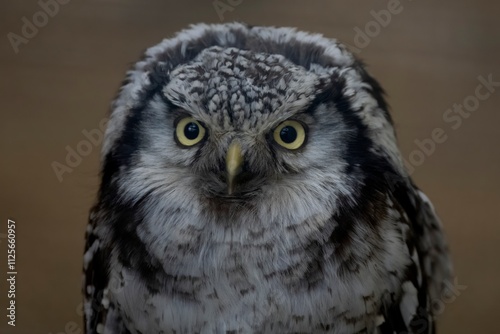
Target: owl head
(239, 116)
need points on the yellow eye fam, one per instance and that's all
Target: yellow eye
(189, 132)
(290, 135)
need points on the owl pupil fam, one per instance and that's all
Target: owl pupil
(191, 131)
(288, 134)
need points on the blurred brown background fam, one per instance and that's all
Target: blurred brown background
(62, 79)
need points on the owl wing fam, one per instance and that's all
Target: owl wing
(100, 315)
(430, 270)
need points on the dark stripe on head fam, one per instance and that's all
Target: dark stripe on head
(375, 89)
(125, 148)
(362, 162)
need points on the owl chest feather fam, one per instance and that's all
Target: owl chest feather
(263, 278)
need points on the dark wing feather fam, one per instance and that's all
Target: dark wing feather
(430, 271)
(100, 315)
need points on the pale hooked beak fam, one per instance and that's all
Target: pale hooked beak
(234, 162)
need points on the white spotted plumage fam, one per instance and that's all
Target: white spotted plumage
(331, 237)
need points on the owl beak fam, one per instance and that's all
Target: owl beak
(234, 162)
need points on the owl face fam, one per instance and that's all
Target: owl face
(238, 125)
(233, 116)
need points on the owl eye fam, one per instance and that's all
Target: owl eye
(189, 132)
(290, 134)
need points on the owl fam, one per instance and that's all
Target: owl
(251, 183)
